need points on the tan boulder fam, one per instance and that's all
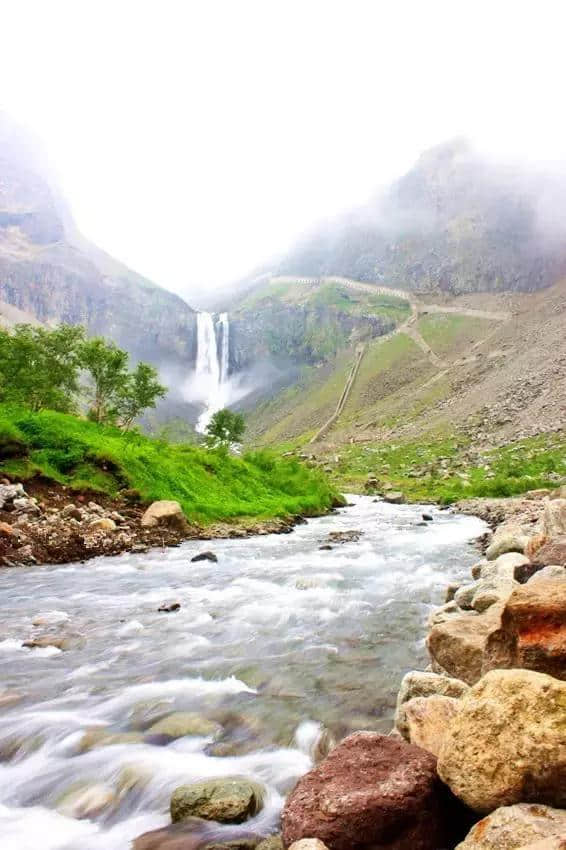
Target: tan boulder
(507, 743)
(554, 518)
(457, 646)
(166, 513)
(428, 719)
(507, 538)
(514, 827)
(532, 633)
(546, 844)
(417, 683)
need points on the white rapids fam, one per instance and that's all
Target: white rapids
(275, 640)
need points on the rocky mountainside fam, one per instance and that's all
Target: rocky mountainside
(53, 274)
(456, 222)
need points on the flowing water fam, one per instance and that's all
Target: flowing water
(272, 641)
(212, 363)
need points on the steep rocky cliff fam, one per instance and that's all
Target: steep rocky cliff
(48, 270)
(457, 222)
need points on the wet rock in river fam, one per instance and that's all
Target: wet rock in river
(50, 618)
(87, 801)
(102, 737)
(345, 536)
(226, 800)
(191, 834)
(371, 791)
(168, 607)
(182, 723)
(205, 556)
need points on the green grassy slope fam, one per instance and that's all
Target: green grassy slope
(209, 485)
(447, 333)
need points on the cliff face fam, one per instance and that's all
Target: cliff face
(48, 270)
(455, 223)
(292, 323)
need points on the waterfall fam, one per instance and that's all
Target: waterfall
(212, 365)
(225, 346)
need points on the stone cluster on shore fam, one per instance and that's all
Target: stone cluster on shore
(50, 523)
(477, 758)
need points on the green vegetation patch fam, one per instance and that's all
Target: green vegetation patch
(447, 468)
(447, 333)
(210, 485)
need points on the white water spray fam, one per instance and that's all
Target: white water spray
(211, 369)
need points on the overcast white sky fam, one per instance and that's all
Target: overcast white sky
(195, 139)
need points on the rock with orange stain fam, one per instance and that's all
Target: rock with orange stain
(507, 743)
(533, 630)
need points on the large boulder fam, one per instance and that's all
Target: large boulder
(532, 632)
(553, 552)
(554, 518)
(553, 571)
(232, 799)
(370, 791)
(457, 645)
(423, 684)
(165, 513)
(507, 538)
(507, 744)
(512, 827)
(427, 720)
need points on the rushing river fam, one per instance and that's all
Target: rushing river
(274, 640)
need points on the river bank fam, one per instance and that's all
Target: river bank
(276, 650)
(42, 522)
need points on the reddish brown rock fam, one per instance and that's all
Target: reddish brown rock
(532, 634)
(371, 791)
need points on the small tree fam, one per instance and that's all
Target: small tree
(107, 367)
(140, 392)
(225, 428)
